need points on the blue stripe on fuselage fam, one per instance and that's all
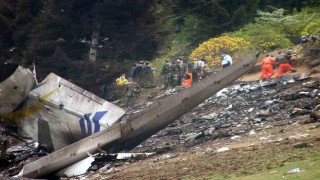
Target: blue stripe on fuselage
(96, 118)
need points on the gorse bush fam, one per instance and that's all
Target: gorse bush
(211, 50)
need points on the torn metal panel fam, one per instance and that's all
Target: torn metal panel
(71, 112)
(82, 166)
(72, 153)
(15, 89)
(44, 135)
(76, 169)
(133, 155)
(129, 133)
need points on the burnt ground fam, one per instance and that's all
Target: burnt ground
(257, 127)
(260, 128)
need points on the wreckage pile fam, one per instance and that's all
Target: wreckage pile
(241, 108)
(13, 158)
(238, 109)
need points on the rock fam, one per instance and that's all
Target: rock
(300, 145)
(315, 116)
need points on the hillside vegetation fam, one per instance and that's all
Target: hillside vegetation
(98, 39)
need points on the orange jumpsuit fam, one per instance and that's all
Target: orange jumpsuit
(267, 69)
(187, 82)
(283, 68)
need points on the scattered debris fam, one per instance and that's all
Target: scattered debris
(100, 161)
(293, 171)
(299, 136)
(223, 149)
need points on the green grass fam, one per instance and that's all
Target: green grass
(310, 166)
(311, 171)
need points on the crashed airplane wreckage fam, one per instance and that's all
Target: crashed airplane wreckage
(127, 134)
(55, 112)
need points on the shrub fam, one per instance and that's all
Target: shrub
(211, 49)
(263, 37)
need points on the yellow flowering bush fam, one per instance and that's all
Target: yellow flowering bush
(211, 50)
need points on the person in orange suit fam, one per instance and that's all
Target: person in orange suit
(267, 68)
(284, 61)
(187, 80)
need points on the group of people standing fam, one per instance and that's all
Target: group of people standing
(179, 73)
(127, 88)
(175, 73)
(310, 38)
(283, 60)
(143, 74)
(140, 75)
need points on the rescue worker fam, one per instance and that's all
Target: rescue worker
(267, 67)
(170, 73)
(182, 68)
(207, 71)
(284, 61)
(121, 81)
(137, 73)
(187, 80)
(198, 70)
(226, 60)
(148, 76)
(132, 92)
(120, 86)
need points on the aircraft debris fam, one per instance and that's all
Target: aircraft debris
(130, 132)
(65, 112)
(99, 161)
(15, 86)
(223, 149)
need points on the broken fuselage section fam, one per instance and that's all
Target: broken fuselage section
(55, 112)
